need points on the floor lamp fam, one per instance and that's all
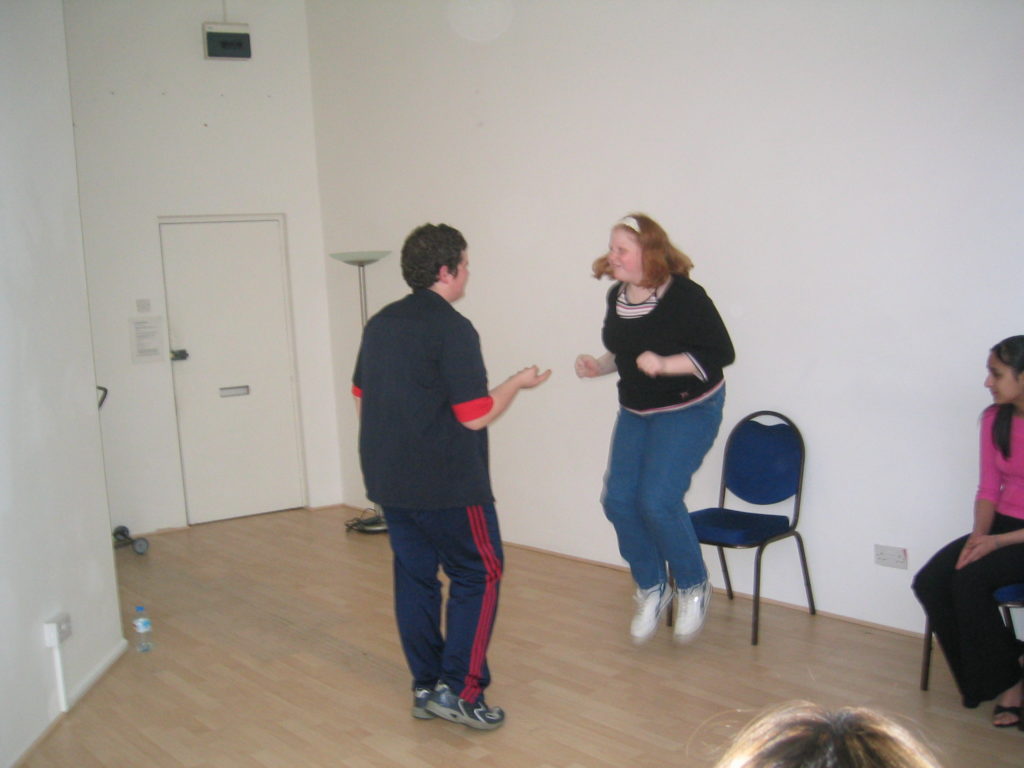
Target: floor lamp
(376, 522)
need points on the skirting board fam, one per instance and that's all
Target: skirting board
(73, 696)
(98, 671)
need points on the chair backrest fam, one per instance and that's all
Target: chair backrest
(764, 463)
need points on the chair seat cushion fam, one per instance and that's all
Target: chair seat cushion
(731, 528)
(1011, 593)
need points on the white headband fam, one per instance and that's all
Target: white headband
(629, 222)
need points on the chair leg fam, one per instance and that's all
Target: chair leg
(670, 608)
(1007, 618)
(725, 572)
(926, 657)
(757, 593)
(807, 575)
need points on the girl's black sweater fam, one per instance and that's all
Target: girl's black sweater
(685, 321)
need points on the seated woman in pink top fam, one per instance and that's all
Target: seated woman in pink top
(956, 585)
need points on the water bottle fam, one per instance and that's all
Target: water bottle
(143, 630)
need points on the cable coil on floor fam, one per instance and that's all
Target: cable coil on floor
(370, 521)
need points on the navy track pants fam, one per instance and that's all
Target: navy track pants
(466, 543)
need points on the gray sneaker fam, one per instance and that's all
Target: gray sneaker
(444, 703)
(420, 697)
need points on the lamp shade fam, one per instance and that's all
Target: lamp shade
(360, 258)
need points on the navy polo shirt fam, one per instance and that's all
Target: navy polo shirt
(419, 359)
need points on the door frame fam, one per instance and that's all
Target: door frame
(281, 221)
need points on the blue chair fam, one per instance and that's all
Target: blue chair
(1010, 596)
(764, 464)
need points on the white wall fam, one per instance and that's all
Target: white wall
(55, 550)
(847, 177)
(161, 131)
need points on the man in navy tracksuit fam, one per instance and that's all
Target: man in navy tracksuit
(421, 389)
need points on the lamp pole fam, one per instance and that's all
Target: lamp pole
(362, 292)
(360, 259)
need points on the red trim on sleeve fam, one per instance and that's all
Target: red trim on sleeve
(357, 391)
(473, 409)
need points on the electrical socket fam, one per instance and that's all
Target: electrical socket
(891, 557)
(57, 630)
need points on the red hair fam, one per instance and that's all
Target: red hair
(660, 257)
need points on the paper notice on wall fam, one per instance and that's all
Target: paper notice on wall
(147, 339)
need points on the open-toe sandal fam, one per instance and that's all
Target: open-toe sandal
(1015, 711)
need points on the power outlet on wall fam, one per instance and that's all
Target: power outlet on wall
(890, 557)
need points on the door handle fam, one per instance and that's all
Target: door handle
(179, 354)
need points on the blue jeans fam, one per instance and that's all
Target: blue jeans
(653, 458)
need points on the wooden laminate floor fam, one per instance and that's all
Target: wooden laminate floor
(276, 648)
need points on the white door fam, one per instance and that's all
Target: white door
(235, 394)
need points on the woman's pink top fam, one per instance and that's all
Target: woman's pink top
(1002, 479)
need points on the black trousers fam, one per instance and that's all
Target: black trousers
(982, 652)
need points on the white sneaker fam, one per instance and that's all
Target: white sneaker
(691, 610)
(650, 604)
